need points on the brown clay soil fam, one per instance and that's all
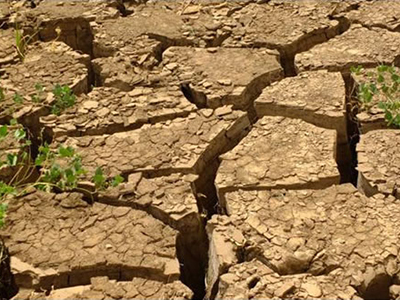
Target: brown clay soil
(248, 174)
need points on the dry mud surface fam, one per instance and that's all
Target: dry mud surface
(248, 172)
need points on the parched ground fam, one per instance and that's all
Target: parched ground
(250, 172)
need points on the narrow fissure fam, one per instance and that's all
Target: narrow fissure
(306, 42)
(9, 287)
(353, 132)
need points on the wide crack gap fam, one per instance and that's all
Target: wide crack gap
(305, 43)
(378, 287)
(191, 247)
(191, 242)
(76, 32)
(242, 102)
(79, 37)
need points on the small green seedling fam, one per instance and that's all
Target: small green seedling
(384, 82)
(17, 98)
(64, 98)
(59, 169)
(21, 42)
(39, 91)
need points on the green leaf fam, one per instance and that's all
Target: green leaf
(57, 90)
(55, 110)
(39, 87)
(117, 180)
(17, 98)
(35, 99)
(356, 70)
(389, 117)
(373, 88)
(44, 149)
(5, 189)
(19, 134)
(71, 177)
(64, 98)
(66, 152)
(13, 122)
(382, 105)
(98, 178)
(39, 160)
(3, 131)
(12, 159)
(382, 68)
(3, 211)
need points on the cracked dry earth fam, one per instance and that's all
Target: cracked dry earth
(247, 176)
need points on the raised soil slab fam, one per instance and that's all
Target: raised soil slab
(376, 14)
(118, 72)
(47, 64)
(212, 77)
(220, 76)
(315, 97)
(280, 153)
(104, 288)
(153, 27)
(167, 198)
(4, 11)
(254, 280)
(184, 145)
(310, 231)
(60, 240)
(357, 46)
(138, 288)
(147, 20)
(71, 17)
(378, 162)
(52, 11)
(109, 110)
(286, 26)
(8, 53)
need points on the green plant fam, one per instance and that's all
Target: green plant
(21, 42)
(64, 98)
(17, 98)
(383, 83)
(102, 182)
(38, 96)
(57, 169)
